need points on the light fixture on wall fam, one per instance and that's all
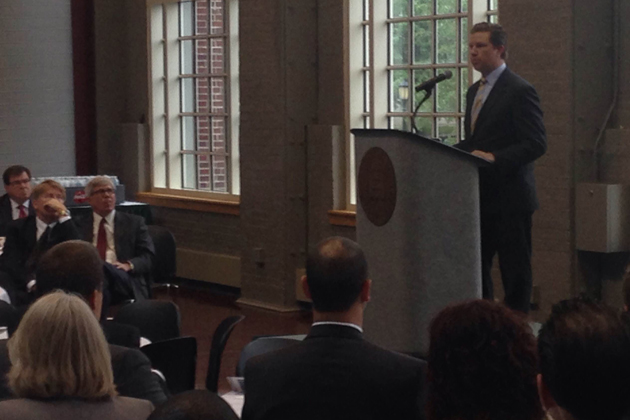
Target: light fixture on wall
(403, 90)
(403, 95)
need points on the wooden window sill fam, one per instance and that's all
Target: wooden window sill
(342, 217)
(205, 205)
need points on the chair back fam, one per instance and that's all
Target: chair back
(157, 320)
(176, 359)
(261, 346)
(219, 340)
(165, 260)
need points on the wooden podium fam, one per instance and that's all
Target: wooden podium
(418, 224)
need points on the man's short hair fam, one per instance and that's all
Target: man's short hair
(72, 266)
(482, 364)
(199, 404)
(98, 181)
(584, 353)
(498, 36)
(13, 171)
(46, 185)
(335, 273)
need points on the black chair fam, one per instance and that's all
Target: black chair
(165, 261)
(176, 359)
(219, 340)
(157, 320)
(261, 346)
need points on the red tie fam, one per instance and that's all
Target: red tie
(101, 240)
(23, 212)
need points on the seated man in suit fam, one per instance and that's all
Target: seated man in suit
(28, 238)
(584, 358)
(334, 373)
(75, 266)
(121, 239)
(16, 203)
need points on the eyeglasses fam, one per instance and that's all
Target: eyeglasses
(104, 191)
(18, 182)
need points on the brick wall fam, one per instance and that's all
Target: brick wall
(211, 94)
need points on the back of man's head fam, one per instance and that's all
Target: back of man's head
(194, 405)
(72, 266)
(584, 354)
(335, 273)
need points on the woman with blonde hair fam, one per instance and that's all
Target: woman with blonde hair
(61, 366)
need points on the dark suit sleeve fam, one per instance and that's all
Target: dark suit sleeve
(133, 376)
(421, 393)
(62, 232)
(531, 141)
(13, 260)
(144, 250)
(252, 408)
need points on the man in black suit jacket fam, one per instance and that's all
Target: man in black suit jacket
(16, 203)
(28, 238)
(334, 373)
(74, 266)
(122, 239)
(504, 125)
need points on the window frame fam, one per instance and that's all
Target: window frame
(164, 93)
(378, 113)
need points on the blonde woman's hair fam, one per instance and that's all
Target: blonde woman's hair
(59, 350)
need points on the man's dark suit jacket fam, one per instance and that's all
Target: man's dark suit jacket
(132, 243)
(22, 250)
(510, 126)
(132, 374)
(334, 374)
(6, 213)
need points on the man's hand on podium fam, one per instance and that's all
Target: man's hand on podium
(484, 155)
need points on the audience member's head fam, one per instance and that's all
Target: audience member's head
(17, 183)
(72, 266)
(59, 351)
(194, 405)
(43, 193)
(482, 364)
(584, 353)
(336, 275)
(101, 195)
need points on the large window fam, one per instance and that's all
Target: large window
(397, 44)
(194, 96)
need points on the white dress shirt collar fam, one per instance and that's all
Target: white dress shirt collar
(492, 78)
(109, 219)
(15, 208)
(41, 226)
(343, 324)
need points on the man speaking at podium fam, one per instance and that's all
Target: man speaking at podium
(504, 125)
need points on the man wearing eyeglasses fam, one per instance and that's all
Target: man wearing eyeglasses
(16, 203)
(122, 241)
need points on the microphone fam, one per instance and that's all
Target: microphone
(430, 84)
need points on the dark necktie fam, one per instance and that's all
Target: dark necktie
(101, 240)
(23, 213)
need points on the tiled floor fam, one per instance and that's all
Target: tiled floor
(203, 310)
